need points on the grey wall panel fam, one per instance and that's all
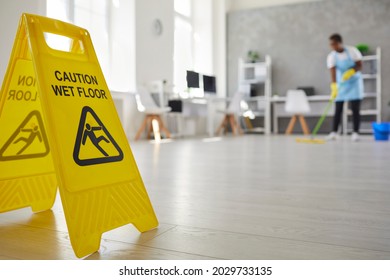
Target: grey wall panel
(296, 36)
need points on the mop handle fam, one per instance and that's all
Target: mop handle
(321, 120)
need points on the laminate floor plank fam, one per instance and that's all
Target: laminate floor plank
(112, 250)
(39, 243)
(55, 220)
(243, 246)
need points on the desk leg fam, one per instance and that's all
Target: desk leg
(210, 118)
(267, 118)
(276, 128)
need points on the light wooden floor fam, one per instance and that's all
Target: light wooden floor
(250, 197)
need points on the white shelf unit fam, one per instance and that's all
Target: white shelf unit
(375, 62)
(254, 74)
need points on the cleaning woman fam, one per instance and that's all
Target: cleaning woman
(345, 64)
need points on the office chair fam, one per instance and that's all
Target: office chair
(146, 105)
(233, 111)
(298, 105)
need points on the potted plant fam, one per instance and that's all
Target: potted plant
(363, 48)
(253, 56)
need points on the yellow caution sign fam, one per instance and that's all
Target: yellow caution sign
(58, 123)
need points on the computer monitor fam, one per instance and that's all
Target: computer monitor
(310, 91)
(209, 84)
(192, 79)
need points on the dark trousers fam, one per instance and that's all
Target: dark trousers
(355, 107)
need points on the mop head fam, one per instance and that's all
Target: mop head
(310, 140)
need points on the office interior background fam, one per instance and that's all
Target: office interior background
(201, 88)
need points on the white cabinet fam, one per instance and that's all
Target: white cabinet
(253, 74)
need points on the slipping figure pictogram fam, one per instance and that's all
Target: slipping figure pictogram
(26, 134)
(89, 132)
(34, 132)
(92, 128)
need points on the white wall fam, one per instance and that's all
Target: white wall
(154, 54)
(252, 4)
(10, 13)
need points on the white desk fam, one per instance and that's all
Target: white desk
(192, 107)
(317, 106)
(207, 107)
(203, 107)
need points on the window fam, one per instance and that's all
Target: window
(105, 21)
(183, 7)
(193, 41)
(183, 43)
(58, 9)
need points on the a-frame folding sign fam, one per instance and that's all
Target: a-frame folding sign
(59, 127)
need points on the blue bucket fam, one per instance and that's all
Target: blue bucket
(381, 131)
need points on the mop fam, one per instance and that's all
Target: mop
(313, 140)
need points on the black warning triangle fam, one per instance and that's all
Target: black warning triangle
(24, 137)
(85, 132)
